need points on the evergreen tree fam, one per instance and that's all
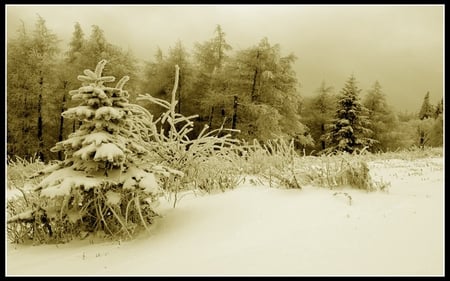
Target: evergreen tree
(350, 128)
(106, 166)
(426, 111)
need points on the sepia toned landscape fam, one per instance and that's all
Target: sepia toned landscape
(224, 140)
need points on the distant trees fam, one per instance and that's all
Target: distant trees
(254, 90)
(317, 113)
(30, 85)
(210, 82)
(429, 127)
(382, 119)
(38, 80)
(439, 108)
(159, 76)
(268, 102)
(427, 110)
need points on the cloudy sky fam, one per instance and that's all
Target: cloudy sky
(400, 46)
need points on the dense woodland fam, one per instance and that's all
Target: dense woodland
(253, 90)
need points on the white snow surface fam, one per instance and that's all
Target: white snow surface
(260, 231)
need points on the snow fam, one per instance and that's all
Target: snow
(256, 230)
(136, 177)
(97, 138)
(107, 113)
(108, 151)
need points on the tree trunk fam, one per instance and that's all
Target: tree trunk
(61, 119)
(322, 127)
(25, 127)
(254, 95)
(211, 113)
(39, 128)
(234, 120)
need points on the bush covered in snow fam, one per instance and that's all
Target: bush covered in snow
(207, 162)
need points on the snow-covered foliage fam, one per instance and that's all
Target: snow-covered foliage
(204, 161)
(106, 182)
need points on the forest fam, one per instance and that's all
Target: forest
(253, 91)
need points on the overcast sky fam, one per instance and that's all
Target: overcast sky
(400, 46)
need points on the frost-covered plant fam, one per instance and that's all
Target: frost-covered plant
(107, 182)
(196, 158)
(278, 162)
(19, 169)
(336, 171)
(274, 160)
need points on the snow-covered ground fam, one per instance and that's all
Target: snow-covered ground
(257, 230)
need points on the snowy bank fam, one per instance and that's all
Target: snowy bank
(257, 230)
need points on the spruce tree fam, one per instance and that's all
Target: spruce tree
(350, 128)
(104, 183)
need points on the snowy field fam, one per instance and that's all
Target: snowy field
(256, 230)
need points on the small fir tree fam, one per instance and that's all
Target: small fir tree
(104, 183)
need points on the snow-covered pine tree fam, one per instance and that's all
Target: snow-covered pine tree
(104, 183)
(349, 129)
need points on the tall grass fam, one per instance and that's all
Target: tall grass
(19, 170)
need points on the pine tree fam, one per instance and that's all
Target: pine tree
(349, 130)
(104, 170)
(426, 111)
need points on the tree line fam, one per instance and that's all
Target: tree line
(254, 90)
